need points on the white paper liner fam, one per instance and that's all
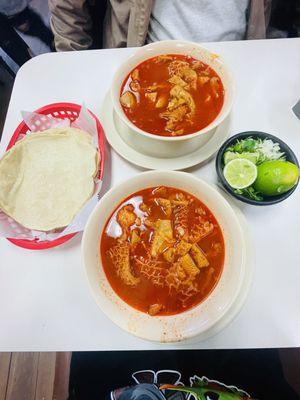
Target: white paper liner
(9, 228)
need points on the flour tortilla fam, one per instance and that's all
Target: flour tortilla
(47, 177)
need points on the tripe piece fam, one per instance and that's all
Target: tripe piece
(160, 191)
(135, 86)
(161, 101)
(135, 74)
(163, 235)
(135, 237)
(189, 266)
(176, 80)
(120, 258)
(169, 254)
(200, 231)
(174, 117)
(151, 96)
(154, 309)
(202, 80)
(180, 96)
(176, 66)
(128, 100)
(215, 84)
(190, 76)
(126, 217)
(166, 206)
(199, 256)
(183, 247)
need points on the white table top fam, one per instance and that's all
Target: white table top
(45, 303)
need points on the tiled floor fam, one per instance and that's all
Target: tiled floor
(34, 376)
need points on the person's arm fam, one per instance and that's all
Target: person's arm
(71, 24)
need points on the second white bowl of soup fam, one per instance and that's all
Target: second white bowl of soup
(164, 255)
(170, 97)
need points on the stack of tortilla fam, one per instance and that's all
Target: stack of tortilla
(47, 177)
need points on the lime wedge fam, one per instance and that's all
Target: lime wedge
(240, 173)
(276, 177)
(231, 155)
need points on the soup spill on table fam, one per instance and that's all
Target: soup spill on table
(172, 95)
(162, 251)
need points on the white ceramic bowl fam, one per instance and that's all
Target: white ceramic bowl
(166, 146)
(190, 323)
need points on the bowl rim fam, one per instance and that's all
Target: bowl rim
(260, 134)
(188, 314)
(175, 44)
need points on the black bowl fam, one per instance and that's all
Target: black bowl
(289, 154)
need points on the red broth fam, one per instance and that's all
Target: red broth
(162, 251)
(172, 95)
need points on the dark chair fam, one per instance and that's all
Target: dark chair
(6, 83)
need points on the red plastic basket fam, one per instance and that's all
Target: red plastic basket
(57, 110)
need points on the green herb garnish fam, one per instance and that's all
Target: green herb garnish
(265, 149)
(244, 145)
(250, 193)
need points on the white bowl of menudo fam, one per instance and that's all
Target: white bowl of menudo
(164, 255)
(170, 97)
